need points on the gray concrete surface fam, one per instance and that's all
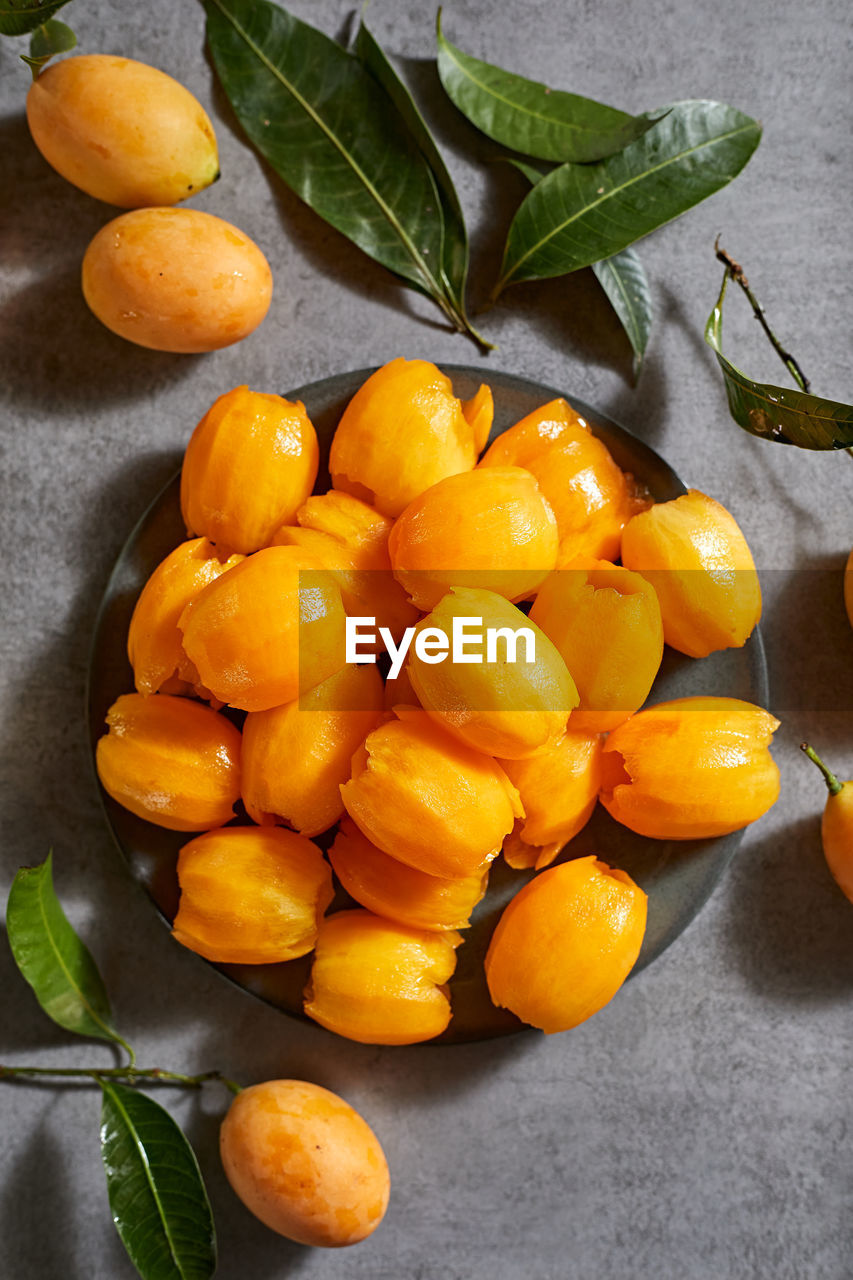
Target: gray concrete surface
(698, 1128)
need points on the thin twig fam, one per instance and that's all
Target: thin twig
(737, 274)
(155, 1075)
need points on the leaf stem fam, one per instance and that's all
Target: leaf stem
(427, 280)
(829, 778)
(457, 317)
(495, 294)
(131, 1053)
(737, 274)
(131, 1074)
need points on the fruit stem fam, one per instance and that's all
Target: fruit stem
(830, 779)
(458, 318)
(155, 1074)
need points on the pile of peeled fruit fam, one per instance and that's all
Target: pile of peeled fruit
(442, 660)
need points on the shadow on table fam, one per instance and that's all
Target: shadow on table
(36, 1224)
(58, 357)
(40, 209)
(809, 647)
(25, 1027)
(51, 801)
(791, 935)
(63, 360)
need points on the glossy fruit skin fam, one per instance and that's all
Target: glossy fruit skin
(693, 553)
(566, 943)
(250, 464)
(305, 1163)
(351, 540)
(391, 889)
(591, 497)
(251, 895)
(559, 790)
(297, 756)
(511, 709)
(606, 624)
(122, 131)
(692, 768)
(410, 401)
(176, 280)
(171, 761)
(153, 639)
(848, 588)
(379, 982)
(428, 800)
(837, 836)
(487, 528)
(836, 825)
(245, 636)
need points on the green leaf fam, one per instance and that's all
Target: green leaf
(157, 1196)
(778, 413)
(623, 279)
(528, 171)
(20, 17)
(46, 42)
(581, 214)
(529, 117)
(333, 134)
(454, 254)
(56, 964)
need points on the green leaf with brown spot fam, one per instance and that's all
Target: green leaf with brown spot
(784, 414)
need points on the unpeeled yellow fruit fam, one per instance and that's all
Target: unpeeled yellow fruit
(305, 1163)
(566, 943)
(176, 280)
(836, 825)
(122, 131)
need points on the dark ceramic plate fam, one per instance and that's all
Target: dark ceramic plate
(678, 876)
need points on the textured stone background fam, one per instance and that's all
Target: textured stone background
(697, 1129)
